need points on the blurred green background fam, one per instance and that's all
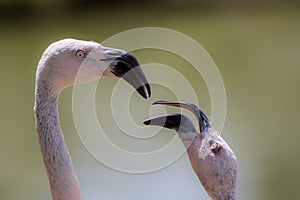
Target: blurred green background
(255, 45)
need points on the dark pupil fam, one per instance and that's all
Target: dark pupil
(217, 149)
(80, 53)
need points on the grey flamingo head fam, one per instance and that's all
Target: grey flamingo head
(69, 61)
(212, 159)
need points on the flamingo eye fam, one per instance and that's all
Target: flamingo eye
(214, 146)
(80, 54)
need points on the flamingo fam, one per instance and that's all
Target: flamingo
(211, 158)
(65, 63)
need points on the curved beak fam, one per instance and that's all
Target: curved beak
(204, 122)
(127, 67)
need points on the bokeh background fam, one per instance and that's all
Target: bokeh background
(255, 45)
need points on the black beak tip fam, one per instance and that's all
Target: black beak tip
(148, 89)
(147, 121)
(144, 90)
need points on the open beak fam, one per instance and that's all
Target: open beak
(204, 122)
(127, 67)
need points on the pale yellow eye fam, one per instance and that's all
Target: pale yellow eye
(80, 54)
(214, 145)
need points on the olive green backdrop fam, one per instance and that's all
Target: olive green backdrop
(256, 48)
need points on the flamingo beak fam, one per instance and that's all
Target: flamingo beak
(204, 122)
(176, 122)
(127, 67)
(167, 121)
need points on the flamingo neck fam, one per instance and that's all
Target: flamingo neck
(215, 191)
(62, 177)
